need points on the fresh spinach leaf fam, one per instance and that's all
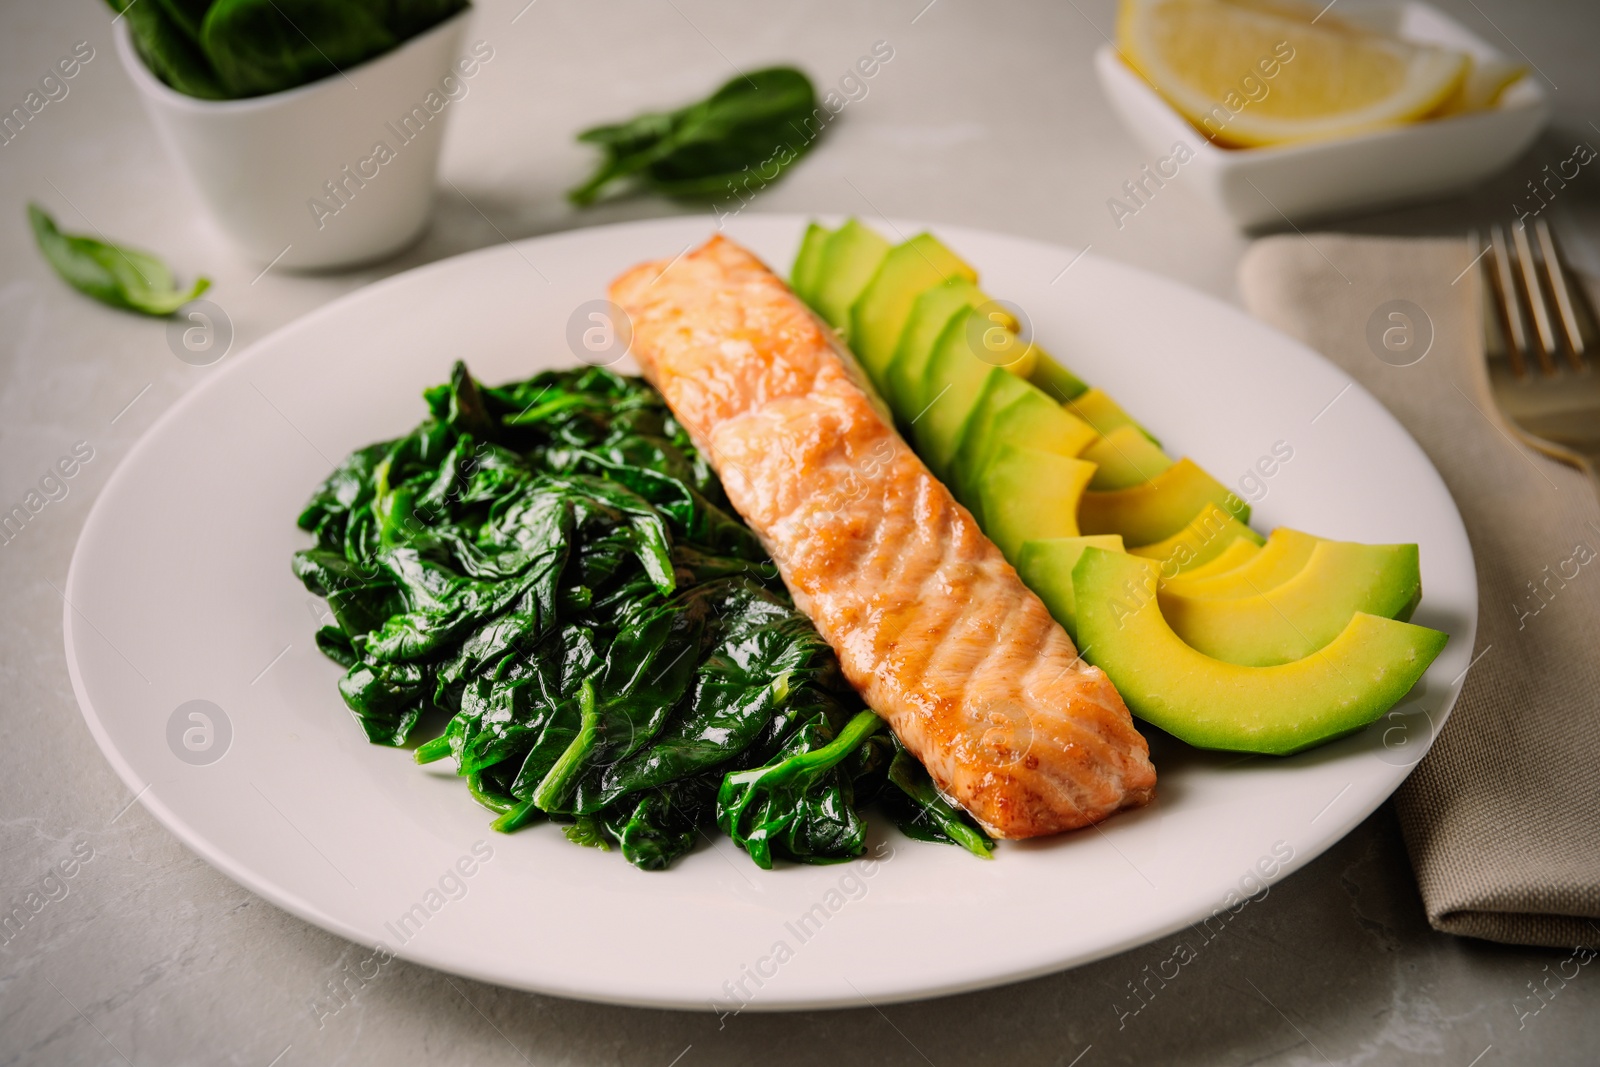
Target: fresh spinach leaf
(225, 49)
(163, 37)
(755, 123)
(122, 277)
(266, 46)
(186, 15)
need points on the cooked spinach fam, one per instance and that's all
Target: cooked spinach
(546, 578)
(227, 49)
(112, 274)
(755, 123)
(778, 806)
(922, 812)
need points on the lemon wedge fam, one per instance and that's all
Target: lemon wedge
(1480, 90)
(1261, 73)
(1298, 11)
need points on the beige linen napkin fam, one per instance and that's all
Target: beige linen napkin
(1502, 818)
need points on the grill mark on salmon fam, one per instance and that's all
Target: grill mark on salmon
(931, 625)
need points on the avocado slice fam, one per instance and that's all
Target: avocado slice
(1125, 457)
(1152, 511)
(930, 314)
(1057, 381)
(1029, 495)
(1104, 414)
(1046, 568)
(998, 391)
(1232, 558)
(1280, 559)
(1350, 682)
(849, 260)
(1011, 411)
(1200, 542)
(950, 385)
(1304, 614)
(879, 314)
(808, 261)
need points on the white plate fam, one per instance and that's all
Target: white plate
(180, 590)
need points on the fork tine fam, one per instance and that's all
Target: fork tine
(1506, 303)
(1494, 342)
(1537, 300)
(1560, 285)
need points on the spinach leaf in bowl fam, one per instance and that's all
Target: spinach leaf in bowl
(266, 46)
(171, 48)
(187, 15)
(228, 49)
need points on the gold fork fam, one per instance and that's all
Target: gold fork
(1540, 338)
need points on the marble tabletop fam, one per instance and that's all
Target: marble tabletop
(988, 115)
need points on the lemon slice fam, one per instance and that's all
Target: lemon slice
(1250, 74)
(1486, 79)
(1297, 11)
(1480, 90)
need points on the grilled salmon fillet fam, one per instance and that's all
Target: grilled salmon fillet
(931, 625)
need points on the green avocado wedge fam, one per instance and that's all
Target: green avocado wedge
(849, 260)
(1362, 673)
(1010, 411)
(879, 314)
(1096, 407)
(1125, 457)
(1029, 495)
(1284, 555)
(1155, 510)
(930, 314)
(1206, 537)
(1057, 381)
(1046, 568)
(808, 261)
(952, 384)
(999, 391)
(1305, 613)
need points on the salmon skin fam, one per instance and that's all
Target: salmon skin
(931, 625)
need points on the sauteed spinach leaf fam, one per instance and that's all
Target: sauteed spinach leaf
(545, 576)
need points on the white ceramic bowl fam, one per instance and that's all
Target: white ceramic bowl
(262, 165)
(1269, 186)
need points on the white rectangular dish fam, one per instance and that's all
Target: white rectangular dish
(1263, 187)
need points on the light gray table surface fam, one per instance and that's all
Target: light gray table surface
(988, 115)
